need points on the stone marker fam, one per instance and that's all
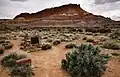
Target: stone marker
(35, 40)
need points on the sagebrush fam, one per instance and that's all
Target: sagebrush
(84, 61)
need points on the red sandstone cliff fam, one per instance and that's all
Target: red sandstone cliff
(65, 9)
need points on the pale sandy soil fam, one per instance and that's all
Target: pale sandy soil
(47, 63)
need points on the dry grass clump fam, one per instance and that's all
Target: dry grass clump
(17, 70)
(111, 45)
(56, 42)
(70, 45)
(46, 46)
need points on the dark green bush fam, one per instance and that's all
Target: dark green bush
(10, 60)
(46, 46)
(84, 61)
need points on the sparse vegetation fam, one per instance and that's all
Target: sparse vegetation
(105, 30)
(2, 41)
(111, 45)
(49, 40)
(1, 49)
(93, 30)
(115, 54)
(84, 61)
(23, 70)
(10, 60)
(17, 70)
(46, 46)
(84, 38)
(56, 42)
(115, 34)
(7, 45)
(70, 45)
(90, 40)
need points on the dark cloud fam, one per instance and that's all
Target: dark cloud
(4, 3)
(19, 0)
(116, 17)
(105, 1)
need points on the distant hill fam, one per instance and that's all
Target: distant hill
(62, 16)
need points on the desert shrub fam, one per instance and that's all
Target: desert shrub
(103, 38)
(16, 69)
(111, 45)
(115, 35)
(90, 40)
(93, 30)
(56, 42)
(2, 41)
(84, 38)
(22, 43)
(7, 41)
(96, 34)
(70, 45)
(10, 60)
(105, 30)
(1, 49)
(21, 71)
(7, 45)
(115, 54)
(49, 40)
(72, 29)
(45, 37)
(88, 33)
(85, 61)
(79, 30)
(46, 46)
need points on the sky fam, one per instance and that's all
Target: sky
(108, 8)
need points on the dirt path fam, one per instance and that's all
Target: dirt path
(113, 69)
(47, 63)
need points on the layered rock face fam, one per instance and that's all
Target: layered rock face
(65, 10)
(62, 16)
